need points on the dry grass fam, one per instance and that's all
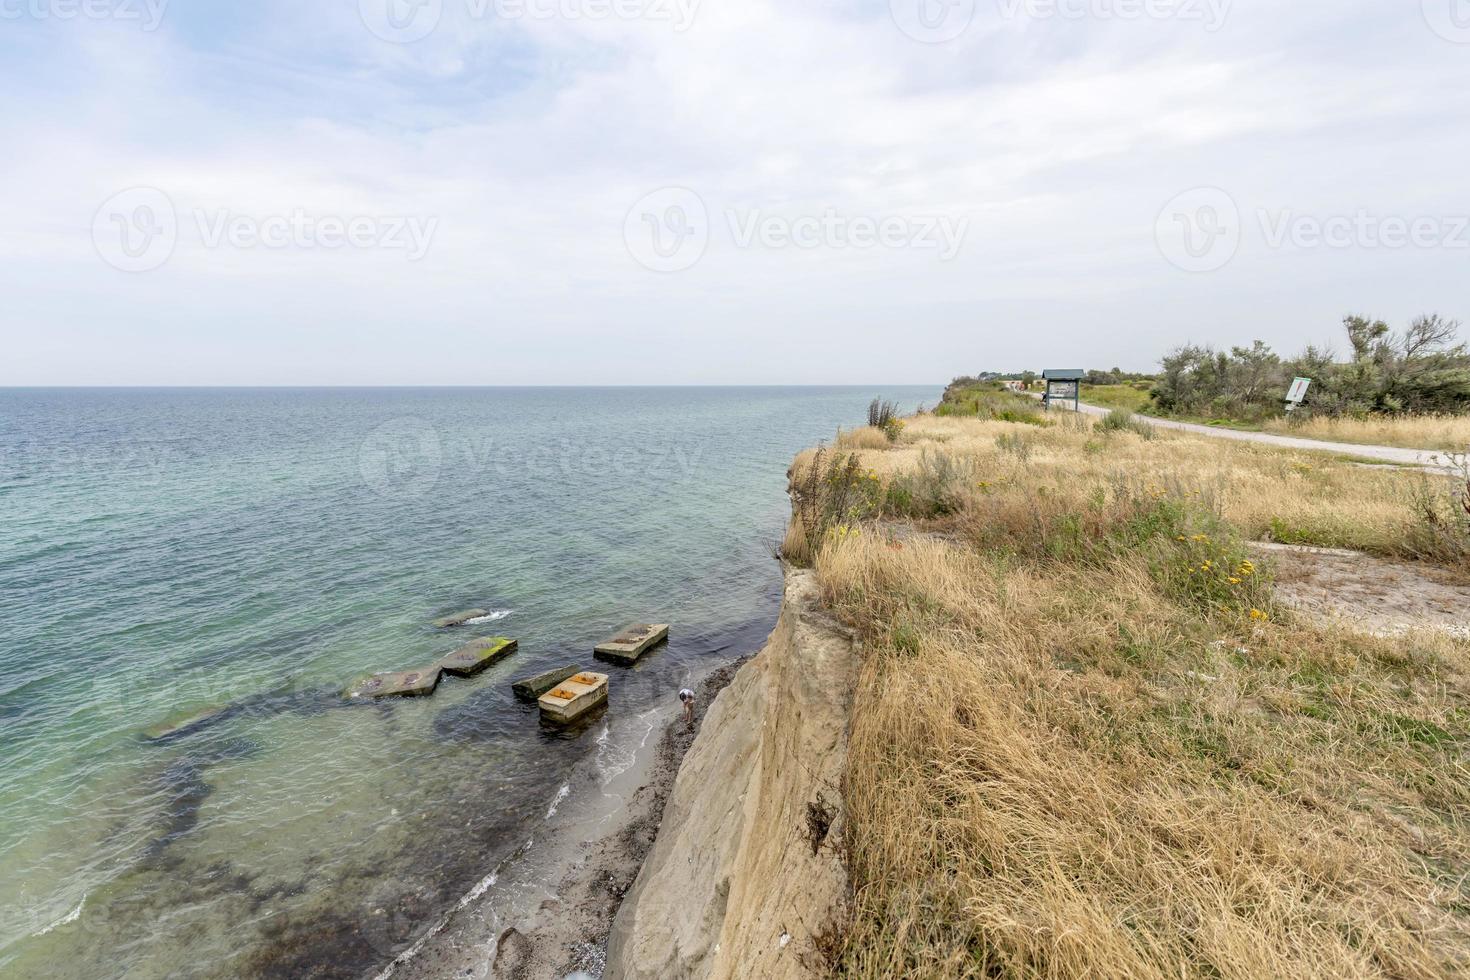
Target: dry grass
(1075, 754)
(1448, 432)
(867, 437)
(1266, 493)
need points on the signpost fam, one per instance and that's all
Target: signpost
(1064, 386)
(1298, 393)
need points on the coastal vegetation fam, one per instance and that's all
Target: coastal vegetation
(1089, 737)
(1421, 370)
(1408, 388)
(966, 397)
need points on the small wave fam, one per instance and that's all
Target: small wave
(494, 617)
(70, 917)
(561, 795)
(485, 884)
(614, 757)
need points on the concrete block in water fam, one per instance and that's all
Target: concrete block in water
(573, 698)
(459, 619)
(469, 660)
(403, 684)
(632, 643)
(181, 725)
(532, 688)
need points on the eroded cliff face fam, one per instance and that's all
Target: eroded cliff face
(734, 886)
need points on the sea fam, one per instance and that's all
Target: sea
(237, 557)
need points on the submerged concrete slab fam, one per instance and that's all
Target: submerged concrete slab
(531, 688)
(573, 698)
(184, 724)
(632, 643)
(460, 618)
(469, 660)
(403, 684)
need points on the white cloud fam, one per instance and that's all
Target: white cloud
(528, 141)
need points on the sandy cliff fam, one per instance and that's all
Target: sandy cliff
(734, 886)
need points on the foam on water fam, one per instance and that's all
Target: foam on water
(494, 617)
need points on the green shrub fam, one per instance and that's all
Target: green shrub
(1441, 530)
(1014, 444)
(832, 494)
(1123, 420)
(936, 488)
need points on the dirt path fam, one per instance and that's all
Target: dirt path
(1388, 454)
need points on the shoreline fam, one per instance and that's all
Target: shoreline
(512, 924)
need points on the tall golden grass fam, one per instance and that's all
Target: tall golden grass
(1068, 760)
(1447, 432)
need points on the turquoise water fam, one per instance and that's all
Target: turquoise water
(166, 552)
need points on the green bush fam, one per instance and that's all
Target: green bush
(1122, 420)
(936, 488)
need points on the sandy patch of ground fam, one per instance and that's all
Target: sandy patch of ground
(1374, 594)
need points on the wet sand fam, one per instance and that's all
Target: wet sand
(547, 911)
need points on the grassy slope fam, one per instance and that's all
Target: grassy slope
(1080, 749)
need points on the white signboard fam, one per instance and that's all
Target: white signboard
(1298, 392)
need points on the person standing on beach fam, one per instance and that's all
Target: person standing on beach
(687, 696)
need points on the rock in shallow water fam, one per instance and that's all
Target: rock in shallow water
(632, 643)
(470, 660)
(532, 688)
(460, 618)
(404, 684)
(573, 698)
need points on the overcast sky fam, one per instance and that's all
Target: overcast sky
(213, 192)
